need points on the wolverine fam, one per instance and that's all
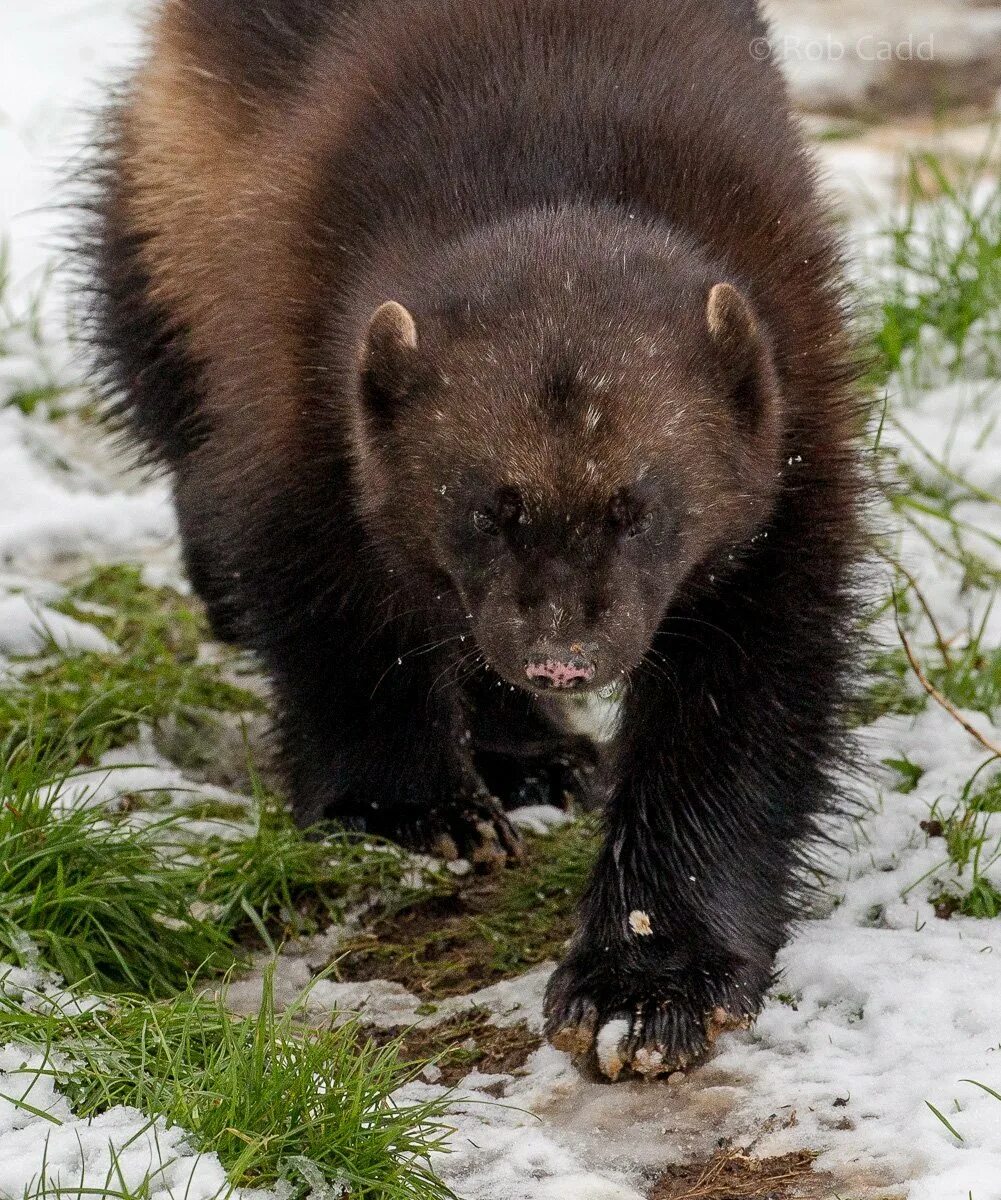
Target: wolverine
(497, 353)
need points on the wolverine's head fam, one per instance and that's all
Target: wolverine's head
(568, 437)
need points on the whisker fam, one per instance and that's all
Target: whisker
(427, 648)
(709, 625)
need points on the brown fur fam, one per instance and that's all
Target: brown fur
(222, 182)
(492, 339)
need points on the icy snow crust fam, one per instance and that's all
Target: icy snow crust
(883, 1007)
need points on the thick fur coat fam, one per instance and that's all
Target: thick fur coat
(496, 348)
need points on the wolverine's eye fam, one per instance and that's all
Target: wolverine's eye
(642, 526)
(485, 524)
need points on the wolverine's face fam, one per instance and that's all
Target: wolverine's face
(565, 593)
(570, 487)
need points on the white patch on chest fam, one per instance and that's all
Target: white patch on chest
(593, 716)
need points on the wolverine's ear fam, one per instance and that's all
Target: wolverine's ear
(388, 358)
(744, 355)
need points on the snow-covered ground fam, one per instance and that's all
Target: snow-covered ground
(885, 1009)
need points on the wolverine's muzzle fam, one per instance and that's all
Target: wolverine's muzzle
(562, 667)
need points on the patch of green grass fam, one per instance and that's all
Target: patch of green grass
(891, 689)
(537, 901)
(281, 883)
(843, 130)
(967, 674)
(469, 934)
(909, 774)
(929, 502)
(142, 906)
(933, 315)
(982, 901)
(964, 837)
(971, 678)
(943, 273)
(972, 849)
(274, 1100)
(985, 799)
(80, 705)
(93, 899)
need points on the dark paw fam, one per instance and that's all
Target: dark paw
(648, 1023)
(469, 825)
(561, 783)
(479, 832)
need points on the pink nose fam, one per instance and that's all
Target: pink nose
(559, 671)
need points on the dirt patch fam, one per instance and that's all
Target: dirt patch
(465, 1043)
(488, 928)
(935, 87)
(733, 1174)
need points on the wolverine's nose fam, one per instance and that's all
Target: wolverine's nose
(567, 667)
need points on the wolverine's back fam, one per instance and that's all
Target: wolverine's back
(253, 130)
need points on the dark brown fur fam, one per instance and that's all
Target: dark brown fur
(568, 436)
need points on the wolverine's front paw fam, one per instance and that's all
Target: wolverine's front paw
(470, 825)
(478, 831)
(647, 1022)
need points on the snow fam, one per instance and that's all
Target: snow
(508, 1152)
(538, 818)
(27, 628)
(53, 506)
(881, 1009)
(54, 55)
(140, 769)
(120, 1149)
(47, 1151)
(887, 1005)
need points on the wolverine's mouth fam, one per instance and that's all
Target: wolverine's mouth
(607, 692)
(582, 694)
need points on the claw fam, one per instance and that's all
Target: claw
(655, 1039)
(445, 848)
(488, 854)
(722, 1021)
(576, 1035)
(610, 1047)
(482, 834)
(510, 838)
(571, 1022)
(649, 1062)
